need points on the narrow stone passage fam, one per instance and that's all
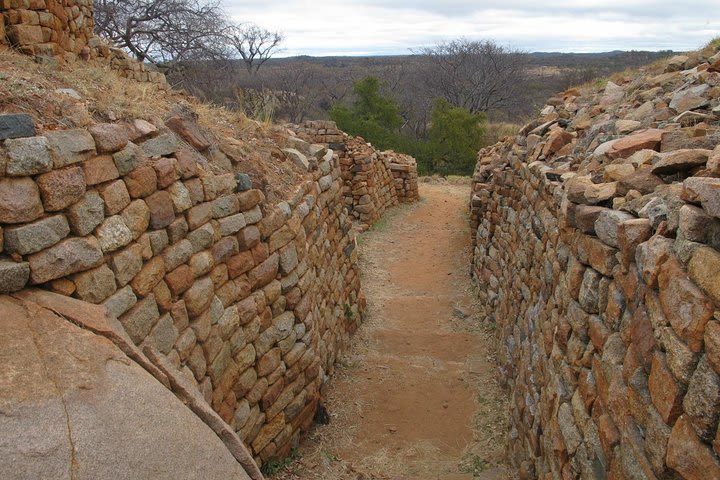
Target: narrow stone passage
(416, 395)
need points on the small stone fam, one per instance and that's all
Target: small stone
(704, 270)
(189, 131)
(140, 319)
(177, 254)
(684, 304)
(109, 137)
(19, 200)
(244, 183)
(688, 456)
(705, 191)
(113, 234)
(297, 158)
(70, 146)
(86, 214)
(126, 264)
(680, 160)
(100, 169)
(164, 334)
(199, 296)
(137, 218)
(166, 171)
(120, 302)
(149, 276)
(232, 224)
(61, 188)
(115, 197)
(606, 225)
(129, 158)
(642, 180)
(160, 146)
(162, 212)
(33, 237)
(67, 257)
(28, 156)
(13, 275)
(95, 285)
(16, 125)
(180, 197)
(141, 182)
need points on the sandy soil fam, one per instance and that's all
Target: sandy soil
(416, 396)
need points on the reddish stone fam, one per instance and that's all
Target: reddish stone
(141, 182)
(239, 264)
(224, 249)
(115, 196)
(686, 307)
(187, 162)
(688, 456)
(248, 237)
(665, 391)
(100, 170)
(265, 272)
(61, 188)
(643, 139)
(189, 131)
(151, 274)
(557, 139)
(249, 199)
(179, 280)
(166, 171)
(19, 200)
(109, 137)
(162, 212)
(630, 234)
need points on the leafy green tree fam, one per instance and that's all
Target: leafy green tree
(372, 116)
(456, 135)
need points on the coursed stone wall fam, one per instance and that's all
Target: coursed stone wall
(596, 256)
(373, 180)
(252, 301)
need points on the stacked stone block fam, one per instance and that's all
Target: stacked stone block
(597, 258)
(252, 301)
(404, 170)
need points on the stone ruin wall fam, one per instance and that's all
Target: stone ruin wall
(373, 181)
(251, 301)
(54, 29)
(596, 255)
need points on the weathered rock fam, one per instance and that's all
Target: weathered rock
(13, 275)
(96, 381)
(95, 285)
(109, 137)
(19, 200)
(70, 146)
(16, 125)
(161, 145)
(86, 214)
(27, 156)
(688, 456)
(680, 160)
(36, 236)
(100, 169)
(643, 139)
(67, 257)
(61, 188)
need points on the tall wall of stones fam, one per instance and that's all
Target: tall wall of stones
(251, 300)
(373, 180)
(596, 254)
(47, 27)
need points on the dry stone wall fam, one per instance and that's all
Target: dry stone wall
(47, 27)
(252, 301)
(596, 254)
(373, 180)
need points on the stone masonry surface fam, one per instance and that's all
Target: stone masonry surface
(596, 236)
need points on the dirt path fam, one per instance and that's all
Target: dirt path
(416, 396)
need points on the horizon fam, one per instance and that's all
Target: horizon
(374, 28)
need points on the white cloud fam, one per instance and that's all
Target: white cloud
(363, 27)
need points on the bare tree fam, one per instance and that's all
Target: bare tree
(476, 75)
(254, 44)
(163, 31)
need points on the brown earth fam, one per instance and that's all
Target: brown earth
(416, 396)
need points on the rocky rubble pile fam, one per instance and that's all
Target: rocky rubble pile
(596, 253)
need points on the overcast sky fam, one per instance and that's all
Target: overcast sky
(375, 27)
